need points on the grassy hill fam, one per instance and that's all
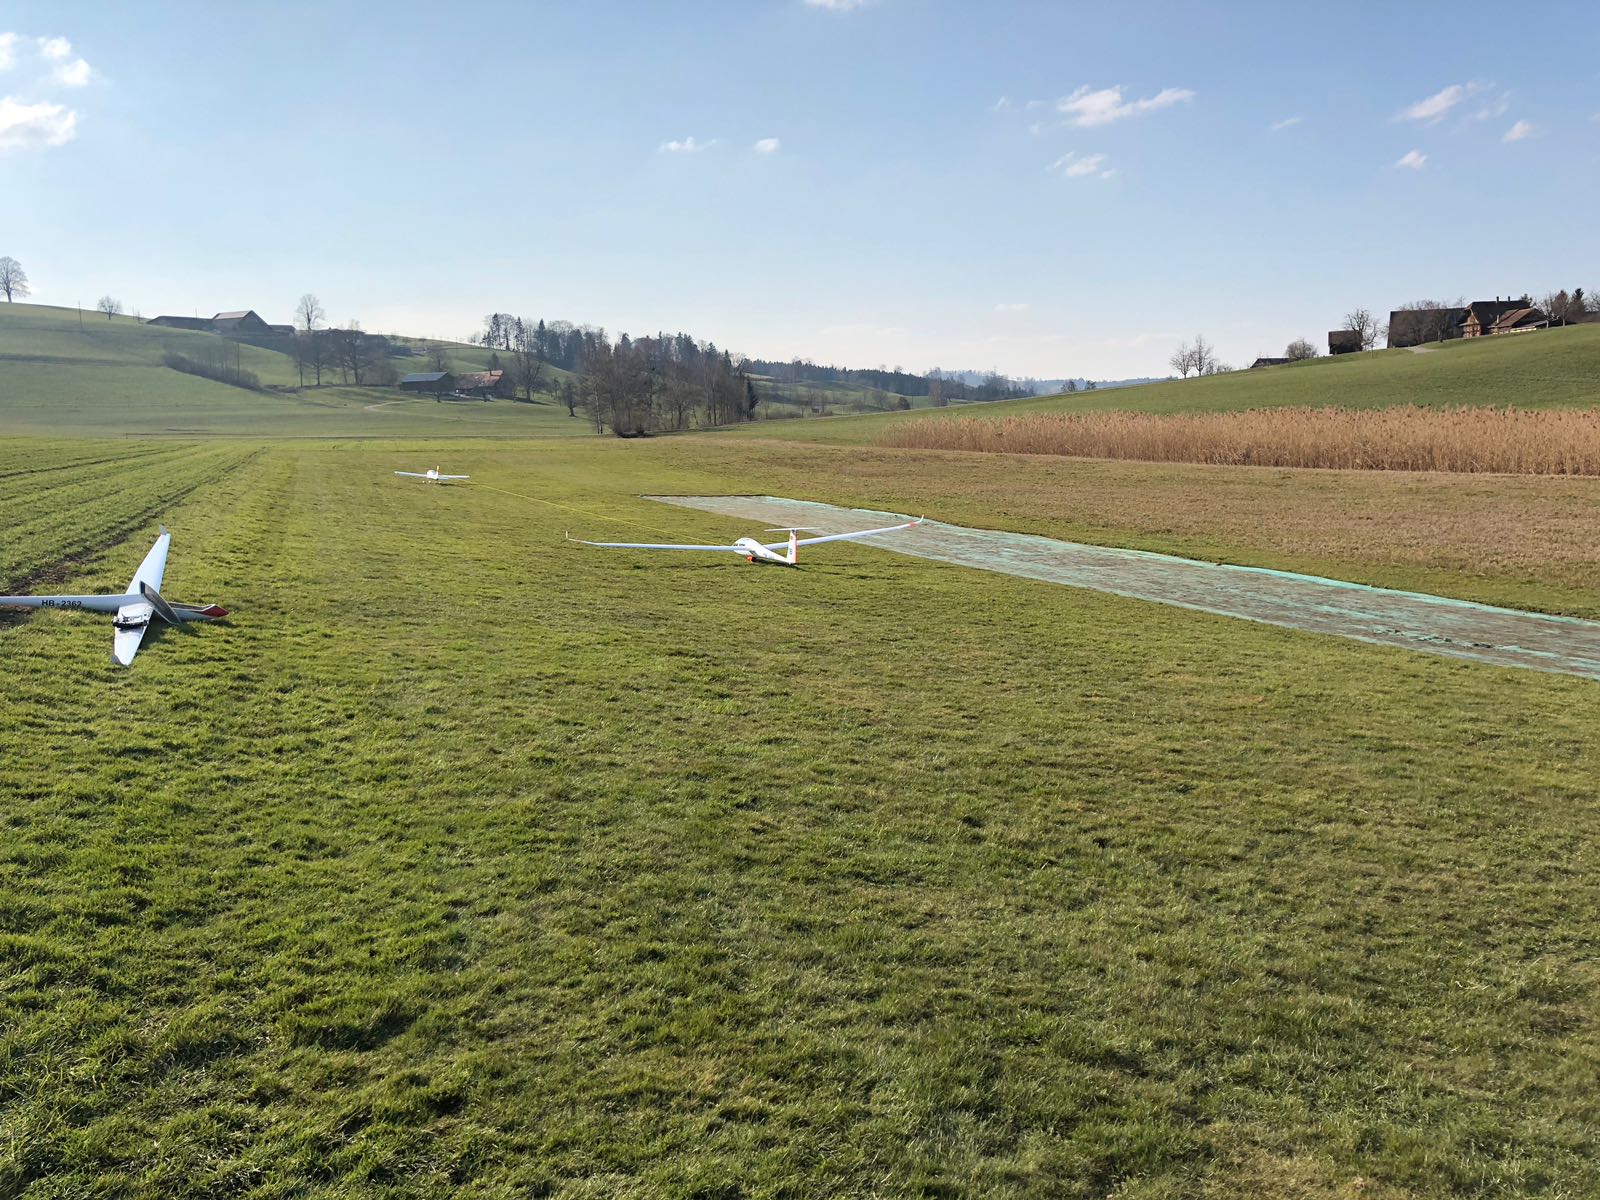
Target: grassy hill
(106, 377)
(1557, 368)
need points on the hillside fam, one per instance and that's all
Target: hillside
(1557, 368)
(106, 377)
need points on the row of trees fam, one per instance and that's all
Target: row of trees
(1197, 359)
(640, 385)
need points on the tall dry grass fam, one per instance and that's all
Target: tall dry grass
(1408, 438)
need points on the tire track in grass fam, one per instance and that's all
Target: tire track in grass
(80, 556)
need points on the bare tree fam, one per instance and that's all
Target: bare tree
(1361, 321)
(527, 358)
(1299, 350)
(569, 396)
(109, 305)
(438, 358)
(308, 313)
(1182, 360)
(1421, 321)
(13, 279)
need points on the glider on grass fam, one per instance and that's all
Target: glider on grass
(431, 475)
(134, 608)
(777, 554)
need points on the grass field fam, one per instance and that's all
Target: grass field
(1556, 368)
(461, 861)
(107, 379)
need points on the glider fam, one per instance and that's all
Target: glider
(764, 553)
(134, 608)
(431, 475)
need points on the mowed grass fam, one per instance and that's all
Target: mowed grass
(465, 862)
(107, 380)
(1554, 368)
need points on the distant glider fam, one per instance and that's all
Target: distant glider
(134, 608)
(431, 475)
(762, 553)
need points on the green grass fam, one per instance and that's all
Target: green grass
(1548, 369)
(107, 379)
(465, 862)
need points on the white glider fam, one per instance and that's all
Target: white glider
(431, 475)
(763, 553)
(134, 608)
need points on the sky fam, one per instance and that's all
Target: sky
(1047, 189)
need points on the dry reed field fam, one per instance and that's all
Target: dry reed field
(1406, 438)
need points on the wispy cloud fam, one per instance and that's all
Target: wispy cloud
(55, 49)
(1522, 129)
(1073, 166)
(1495, 108)
(687, 146)
(1437, 106)
(1011, 308)
(1101, 107)
(1286, 123)
(1412, 159)
(23, 126)
(767, 146)
(836, 5)
(1002, 105)
(8, 50)
(76, 73)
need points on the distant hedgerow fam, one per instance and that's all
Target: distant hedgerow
(219, 371)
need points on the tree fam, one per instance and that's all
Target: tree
(308, 313)
(1420, 321)
(109, 305)
(438, 358)
(1361, 320)
(569, 396)
(1089, 385)
(527, 359)
(1182, 360)
(13, 279)
(1072, 386)
(1299, 350)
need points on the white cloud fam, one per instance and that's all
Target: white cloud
(1089, 108)
(73, 74)
(1413, 159)
(1108, 173)
(687, 146)
(1011, 308)
(8, 50)
(1001, 105)
(26, 125)
(835, 5)
(1286, 123)
(767, 146)
(1522, 129)
(55, 49)
(1437, 106)
(1073, 167)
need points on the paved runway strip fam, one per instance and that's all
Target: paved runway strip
(1434, 624)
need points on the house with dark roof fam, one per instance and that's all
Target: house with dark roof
(1269, 362)
(243, 322)
(1414, 326)
(200, 324)
(1485, 318)
(1344, 341)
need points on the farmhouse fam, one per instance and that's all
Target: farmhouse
(1344, 341)
(244, 323)
(435, 383)
(482, 385)
(1484, 319)
(1269, 362)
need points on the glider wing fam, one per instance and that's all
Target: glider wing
(844, 537)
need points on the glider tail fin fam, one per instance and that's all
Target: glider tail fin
(794, 548)
(163, 609)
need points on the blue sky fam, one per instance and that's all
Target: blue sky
(1046, 188)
